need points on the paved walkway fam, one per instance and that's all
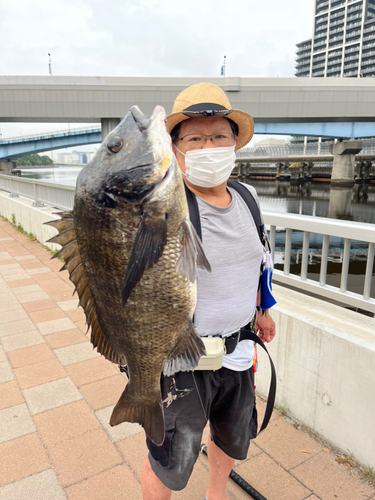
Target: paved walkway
(57, 393)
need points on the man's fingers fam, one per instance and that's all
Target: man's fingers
(266, 333)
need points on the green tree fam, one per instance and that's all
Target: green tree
(46, 160)
(34, 159)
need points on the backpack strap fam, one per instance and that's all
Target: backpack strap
(194, 211)
(248, 199)
(252, 205)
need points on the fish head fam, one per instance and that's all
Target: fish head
(132, 161)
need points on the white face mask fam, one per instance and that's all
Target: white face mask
(209, 167)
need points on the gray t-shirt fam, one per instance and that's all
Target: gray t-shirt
(226, 297)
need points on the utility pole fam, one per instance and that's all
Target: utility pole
(49, 64)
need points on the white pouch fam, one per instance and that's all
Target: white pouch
(215, 350)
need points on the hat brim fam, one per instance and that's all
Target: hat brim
(243, 120)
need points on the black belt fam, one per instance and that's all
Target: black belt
(232, 340)
(248, 333)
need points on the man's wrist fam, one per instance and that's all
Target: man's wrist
(265, 312)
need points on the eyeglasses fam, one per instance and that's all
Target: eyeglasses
(197, 141)
(207, 112)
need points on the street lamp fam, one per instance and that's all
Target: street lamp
(49, 65)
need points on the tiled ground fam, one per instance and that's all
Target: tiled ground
(56, 396)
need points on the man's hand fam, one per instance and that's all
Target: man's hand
(265, 327)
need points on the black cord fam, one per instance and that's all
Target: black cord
(199, 396)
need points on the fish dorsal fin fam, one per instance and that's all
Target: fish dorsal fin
(72, 263)
(147, 249)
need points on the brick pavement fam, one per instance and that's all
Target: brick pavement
(57, 393)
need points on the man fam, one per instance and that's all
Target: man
(206, 133)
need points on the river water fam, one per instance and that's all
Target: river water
(315, 199)
(312, 199)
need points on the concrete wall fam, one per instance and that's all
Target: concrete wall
(325, 362)
(324, 355)
(31, 218)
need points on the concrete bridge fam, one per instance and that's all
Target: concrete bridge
(21, 146)
(306, 106)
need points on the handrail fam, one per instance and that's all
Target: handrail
(44, 135)
(326, 227)
(62, 196)
(49, 193)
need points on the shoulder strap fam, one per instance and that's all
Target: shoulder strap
(194, 211)
(245, 333)
(245, 195)
(252, 206)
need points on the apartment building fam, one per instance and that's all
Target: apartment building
(343, 42)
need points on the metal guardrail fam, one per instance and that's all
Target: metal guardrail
(292, 149)
(326, 227)
(56, 195)
(47, 135)
(62, 196)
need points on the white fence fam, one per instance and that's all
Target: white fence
(297, 149)
(62, 196)
(326, 227)
(48, 193)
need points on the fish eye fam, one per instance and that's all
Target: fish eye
(115, 144)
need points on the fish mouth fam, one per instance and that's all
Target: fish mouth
(137, 195)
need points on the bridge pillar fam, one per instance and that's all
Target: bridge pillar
(310, 166)
(278, 166)
(108, 124)
(344, 162)
(366, 177)
(359, 177)
(6, 167)
(340, 200)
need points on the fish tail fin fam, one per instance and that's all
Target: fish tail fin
(149, 416)
(185, 356)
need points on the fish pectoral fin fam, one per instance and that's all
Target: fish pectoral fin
(72, 263)
(192, 253)
(149, 416)
(185, 356)
(147, 250)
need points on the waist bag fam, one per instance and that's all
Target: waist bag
(244, 333)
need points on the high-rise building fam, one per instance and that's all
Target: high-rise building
(343, 43)
(79, 157)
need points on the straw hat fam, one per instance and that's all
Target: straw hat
(206, 99)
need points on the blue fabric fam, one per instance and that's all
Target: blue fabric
(267, 300)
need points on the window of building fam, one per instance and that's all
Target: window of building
(370, 10)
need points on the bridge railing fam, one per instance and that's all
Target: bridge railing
(48, 193)
(45, 135)
(62, 197)
(290, 149)
(282, 150)
(347, 230)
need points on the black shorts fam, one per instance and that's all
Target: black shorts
(229, 404)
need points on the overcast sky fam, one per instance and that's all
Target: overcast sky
(150, 38)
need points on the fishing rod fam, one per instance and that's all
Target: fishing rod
(240, 481)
